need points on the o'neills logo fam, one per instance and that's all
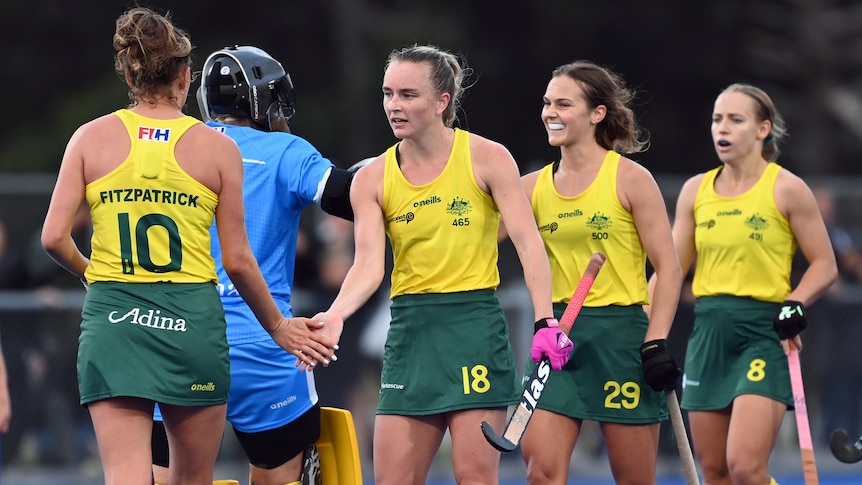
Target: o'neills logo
(150, 318)
(209, 386)
(284, 403)
(734, 212)
(574, 213)
(430, 200)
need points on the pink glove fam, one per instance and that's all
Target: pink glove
(552, 342)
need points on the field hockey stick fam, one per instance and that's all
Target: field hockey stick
(688, 467)
(533, 390)
(843, 451)
(809, 466)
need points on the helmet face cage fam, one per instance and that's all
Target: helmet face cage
(248, 82)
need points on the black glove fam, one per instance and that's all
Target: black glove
(790, 320)
(660, 369)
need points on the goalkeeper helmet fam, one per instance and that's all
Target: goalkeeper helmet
(246, 81)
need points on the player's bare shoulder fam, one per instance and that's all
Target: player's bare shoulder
(792, 193)
(208, 156)
(492, 163)
(634, 174)
(104, 129)
(213, 144)
(368, 179)
(790, 182)
(488, 152)
(689, 190)
(528, 182)
(636, 185)
(203, 133)
(371, 170)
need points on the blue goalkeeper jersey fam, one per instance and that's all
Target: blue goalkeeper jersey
(283, 174)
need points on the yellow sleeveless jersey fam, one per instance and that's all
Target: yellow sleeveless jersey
(574, 228)
(151, 219)
(744, 244)
(443, 234)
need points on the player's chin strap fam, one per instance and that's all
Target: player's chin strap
(276, 118)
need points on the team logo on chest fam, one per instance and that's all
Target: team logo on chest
(757, 222)
(458, 207)
(599, 221)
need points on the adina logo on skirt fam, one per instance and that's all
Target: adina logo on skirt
(150, 318)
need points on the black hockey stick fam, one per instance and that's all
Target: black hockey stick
(536, 382)
(843, 451)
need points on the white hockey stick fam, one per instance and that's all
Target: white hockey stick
(688, 467)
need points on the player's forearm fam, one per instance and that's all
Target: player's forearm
(358, 286)
(65, 253)
(665, 298)
(246, 277)
(537, 277)
(814, 282)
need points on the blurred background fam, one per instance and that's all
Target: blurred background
(57, 71)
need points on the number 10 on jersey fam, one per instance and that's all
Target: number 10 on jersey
(142, 246)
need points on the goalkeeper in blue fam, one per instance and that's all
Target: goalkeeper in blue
(273, 404)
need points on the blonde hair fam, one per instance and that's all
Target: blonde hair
(447, 73)
(764, 110)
